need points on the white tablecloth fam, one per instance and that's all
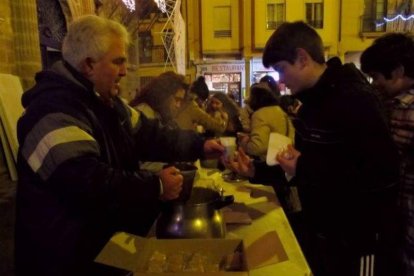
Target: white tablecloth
(262, 205)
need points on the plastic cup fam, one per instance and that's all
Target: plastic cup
(230, 146)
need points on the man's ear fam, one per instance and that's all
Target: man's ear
(87, 66)
(302, 57)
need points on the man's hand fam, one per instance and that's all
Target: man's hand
(288, 159)
(172, 183)
(213, 149)
(241, 164)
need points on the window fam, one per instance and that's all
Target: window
(375, 11)
(222, 21)
(275, 15)
(145, 47)
(314, 14)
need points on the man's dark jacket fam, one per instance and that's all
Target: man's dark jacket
(348, 169)
(79, 181)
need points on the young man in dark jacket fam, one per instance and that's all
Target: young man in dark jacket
(344, 162)
(80, 146)
(390, 63)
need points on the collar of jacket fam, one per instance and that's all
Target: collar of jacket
(61, 74)
(327, 79)
(69, 72)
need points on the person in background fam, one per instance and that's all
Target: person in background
(389, 61)
(162, 97)
(200, 88)
(289, 104)
(160, 100)
(267, 117)
(245, 116)
(192, 115)
(220, 103)
(80, 145)
(271, 82)
(344, 162)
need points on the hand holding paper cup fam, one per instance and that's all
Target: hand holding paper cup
(230, 146)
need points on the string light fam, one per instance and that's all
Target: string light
(399, 16)
(161, 5)
(389, 20)
(130, 4)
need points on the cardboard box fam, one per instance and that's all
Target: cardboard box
(133, 253)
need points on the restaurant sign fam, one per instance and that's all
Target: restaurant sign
(220, 68)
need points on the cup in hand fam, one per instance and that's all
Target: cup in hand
(230, 146)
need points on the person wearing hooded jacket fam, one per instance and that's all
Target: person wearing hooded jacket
(80, 145)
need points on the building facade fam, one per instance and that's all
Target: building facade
(225, 38)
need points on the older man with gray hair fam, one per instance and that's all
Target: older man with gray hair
(80, 147)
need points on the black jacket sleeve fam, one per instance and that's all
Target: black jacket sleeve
(156, 143)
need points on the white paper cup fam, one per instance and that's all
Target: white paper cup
(230, 146)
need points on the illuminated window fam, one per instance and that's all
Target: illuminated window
(314, 14)
(275, 15)
(222, 21)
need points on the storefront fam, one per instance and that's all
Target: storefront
(259, 71)
(228, 78)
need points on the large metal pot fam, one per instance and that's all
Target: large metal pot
(200, 217)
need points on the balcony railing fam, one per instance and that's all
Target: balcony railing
(389, 23)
